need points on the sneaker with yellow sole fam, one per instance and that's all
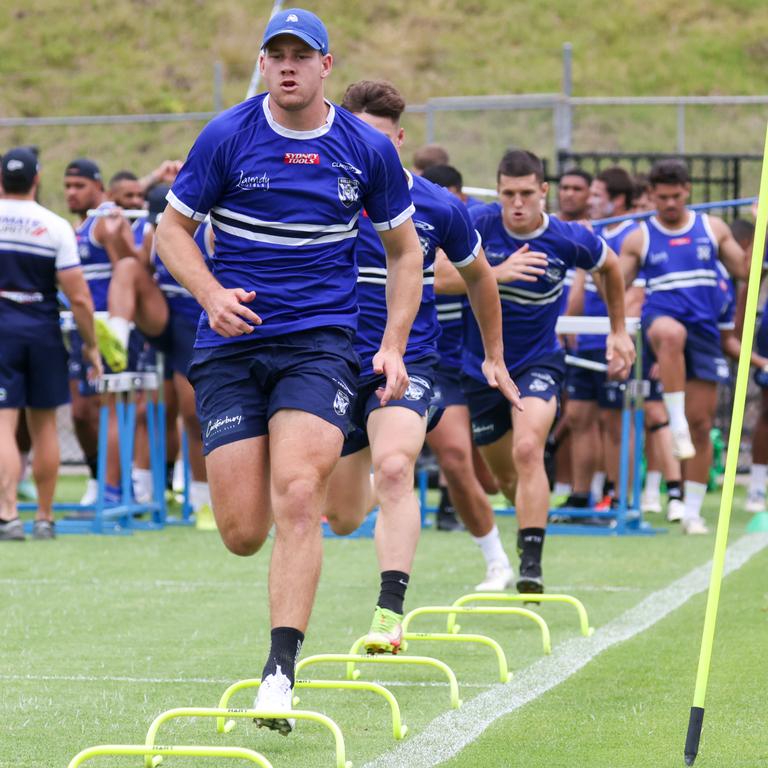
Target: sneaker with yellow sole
(386, 632)
(112, 349)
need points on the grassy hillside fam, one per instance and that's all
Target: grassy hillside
(99, 57)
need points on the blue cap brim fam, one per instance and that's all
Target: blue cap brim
(309, 40)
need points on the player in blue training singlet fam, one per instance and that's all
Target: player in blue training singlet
(39, 254)
(594, 403)
(390, 437)
(285, 176)
(513, 443)
(678, 250)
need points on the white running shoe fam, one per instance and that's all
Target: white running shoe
(650, 502)
(91, 492)
(498, 577)
(275, 696)
(755, 502)
(694, 526)
(682, 445)
(675, 510)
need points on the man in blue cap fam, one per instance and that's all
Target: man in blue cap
(285, 176)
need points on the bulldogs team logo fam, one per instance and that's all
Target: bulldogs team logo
(416, 389)
(341, 402)
(349, 191)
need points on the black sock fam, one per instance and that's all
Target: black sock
(446, 505)
(92, 462)
(675, 490)
(578, 500)
(609, 488)
(284, 652)
(530, 542)
(169, 474)
(392, 594)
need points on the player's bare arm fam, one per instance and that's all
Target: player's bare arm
(225, 306)
(729, 251)
(619, 349)
(404, 287)
(483, 297)
(75, 288)
(630, 256)
(114, 232)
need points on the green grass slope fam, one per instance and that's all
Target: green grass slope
(98, 57)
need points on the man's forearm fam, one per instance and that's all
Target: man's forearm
(82, 312)
(182, 257)
(613, 280)
(483, 294)
(404, 290)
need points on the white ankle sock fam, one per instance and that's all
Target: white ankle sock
(142, 484)
(562, 489)
(694, 498)
(675, 404)
(653, 483)
(596, 487)
(491, 547)
(121, 328)
(757, 478)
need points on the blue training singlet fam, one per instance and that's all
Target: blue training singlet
(285, 206)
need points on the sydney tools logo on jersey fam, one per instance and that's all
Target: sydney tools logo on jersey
(301, 158)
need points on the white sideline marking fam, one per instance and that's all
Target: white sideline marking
(449, 733)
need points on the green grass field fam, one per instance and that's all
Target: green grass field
(101, 634)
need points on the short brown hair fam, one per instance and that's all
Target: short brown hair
(428, 156)
(618, 182)
(520, 162)
(375, 97)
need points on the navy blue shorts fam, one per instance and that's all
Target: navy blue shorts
(704, 359)
(176, 342)
(594, 386)
(491, 413)
(78, 368)
(447, 387)
(33, 375)
(418, 398)
(239, 387)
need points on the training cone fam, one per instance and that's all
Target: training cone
(759, 523)
(204, 520)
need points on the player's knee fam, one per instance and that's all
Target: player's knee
(341, 525)
(455, 461)
(393, 474)
(240, 539)
(527, 452)
(297, 503)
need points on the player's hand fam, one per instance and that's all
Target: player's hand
(619, 354)
(523, 265)
(389, 362)
(94, 366)
(227, 313)
(113, 225)
(497, 376)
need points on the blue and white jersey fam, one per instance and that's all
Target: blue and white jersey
(285, 207)
(680, 267)
(141, 228)
(35, 244)
(530, 310)
(180, 300)
(441, 221)
(726, 318)
(594, 306)
(450, 311)
(97, 267)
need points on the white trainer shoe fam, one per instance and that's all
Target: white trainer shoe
(498, 578)
(675, 510)
(694, 526)
(755, 502)
(274, 697)
(682, 445)
(650, 502)
(91, 492)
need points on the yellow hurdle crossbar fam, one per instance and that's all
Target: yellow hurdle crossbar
(141, 750)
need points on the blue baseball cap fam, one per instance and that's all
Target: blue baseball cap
(299, 23)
